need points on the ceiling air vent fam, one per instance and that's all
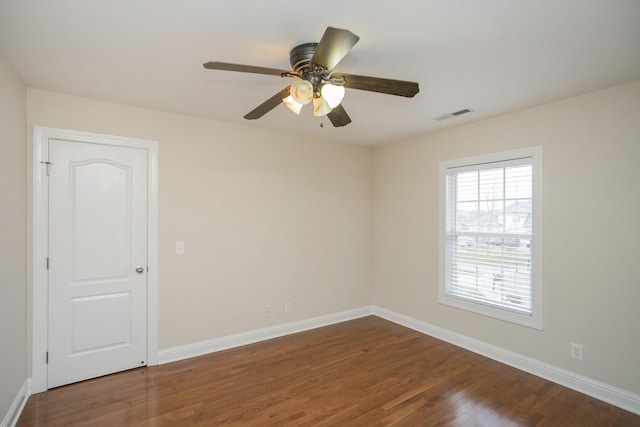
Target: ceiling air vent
(451, 115)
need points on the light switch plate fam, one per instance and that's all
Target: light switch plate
(180, 247)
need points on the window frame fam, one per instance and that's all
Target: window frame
(533, 319)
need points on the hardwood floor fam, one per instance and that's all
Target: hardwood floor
(366, 372)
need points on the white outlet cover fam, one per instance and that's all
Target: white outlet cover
(180, 247)
(575, 351)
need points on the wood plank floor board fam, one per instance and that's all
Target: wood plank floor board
(365, 372)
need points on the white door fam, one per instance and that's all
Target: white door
(97, 309)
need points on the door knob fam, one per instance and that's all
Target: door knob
(139, 270)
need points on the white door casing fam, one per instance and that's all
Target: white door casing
(92, 311)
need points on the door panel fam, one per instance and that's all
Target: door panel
(97, 238)
(97, 187)
(90, 333)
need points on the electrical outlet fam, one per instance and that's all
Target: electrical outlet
(287, 307)
(575, 351)
(267, 311)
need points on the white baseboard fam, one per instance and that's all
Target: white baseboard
(605, 392)
(15, 410)
(210, 346)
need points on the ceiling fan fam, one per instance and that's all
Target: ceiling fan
(314, 79)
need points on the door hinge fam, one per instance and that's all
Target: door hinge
(47, 263)
(47, 358)
(48, 163)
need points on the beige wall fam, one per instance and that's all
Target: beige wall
(266, 218)
(13, 229)
(591, 230)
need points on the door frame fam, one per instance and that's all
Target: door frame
(40, 241)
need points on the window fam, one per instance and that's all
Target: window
(490, 235)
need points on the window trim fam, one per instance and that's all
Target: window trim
(534, 319)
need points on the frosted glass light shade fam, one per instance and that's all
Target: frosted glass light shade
(301, 91)
(332, 94)
(320, 107)
(292, 104)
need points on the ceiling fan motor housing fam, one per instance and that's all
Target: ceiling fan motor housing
(300, 58)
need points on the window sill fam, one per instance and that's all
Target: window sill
(513, 316)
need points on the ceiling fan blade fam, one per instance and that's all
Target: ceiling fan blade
(333, 46)
(227, 66)
(378, 84)
(339, 117)
(268, 105)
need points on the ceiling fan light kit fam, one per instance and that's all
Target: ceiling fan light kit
(314, 80)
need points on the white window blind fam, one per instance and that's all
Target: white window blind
(488, 236)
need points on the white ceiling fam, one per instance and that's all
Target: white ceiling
(492, 56)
